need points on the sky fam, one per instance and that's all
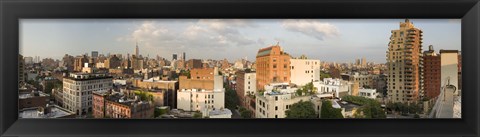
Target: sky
(331, 40)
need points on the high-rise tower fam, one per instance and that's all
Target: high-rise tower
(404, 62)
(136, 50)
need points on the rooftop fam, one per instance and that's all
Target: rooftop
(87, 76)
(201, 90)
(157, 79)
(224, 111)
(25, 95)
(56, 112)
(347, 105)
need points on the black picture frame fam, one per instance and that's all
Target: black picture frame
(13, 10)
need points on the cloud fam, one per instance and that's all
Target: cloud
(227, 31)
(202, 34)
(261, 41)
(150, 35)
(313, 28)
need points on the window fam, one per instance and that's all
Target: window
(276, 108)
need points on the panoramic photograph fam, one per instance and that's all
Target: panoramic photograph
(240, 68)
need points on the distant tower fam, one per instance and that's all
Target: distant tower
(174, 57)
(184, 56)
(136, 49)
(129, 64)
(94, 54)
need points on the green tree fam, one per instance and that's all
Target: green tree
(197, 114)
(302, 109)
(231, 98)
(156, 112)
(370, 107)
(48, 87)
(324, 75)
(144, 95)
(185, 73)
(245, 113)
(328, 111)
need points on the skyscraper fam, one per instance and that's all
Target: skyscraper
(184, 56)
(404, 62)
(273, 66)
(364, 62)
(94, 54)
(137, 50)
(174, 57)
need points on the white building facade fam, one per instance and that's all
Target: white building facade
(303, 71)
(203, 100)
(78, 88)
(276, 99)
(368, 93)
(250, 83)
(337, 87)
(200, 100)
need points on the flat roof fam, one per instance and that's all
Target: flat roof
(220, 112)
(347, 105)
(25, 95)
(56, 112)
(448, 51)
(87, 76)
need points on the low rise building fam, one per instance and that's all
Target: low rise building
(200, 100)
(167, 88)
(32, 99)
(276, 99)
(348, 109)
(202, 93)
(49, 111)
(121, 105)
(368, 93)
(220, 113)
(337, 87)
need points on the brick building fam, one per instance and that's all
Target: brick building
(431, 73)
(273, 66)
(117, 105)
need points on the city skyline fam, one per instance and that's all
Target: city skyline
(232, 39)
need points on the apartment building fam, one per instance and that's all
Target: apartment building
(78, 88)
(304, 71)
(404, 63)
